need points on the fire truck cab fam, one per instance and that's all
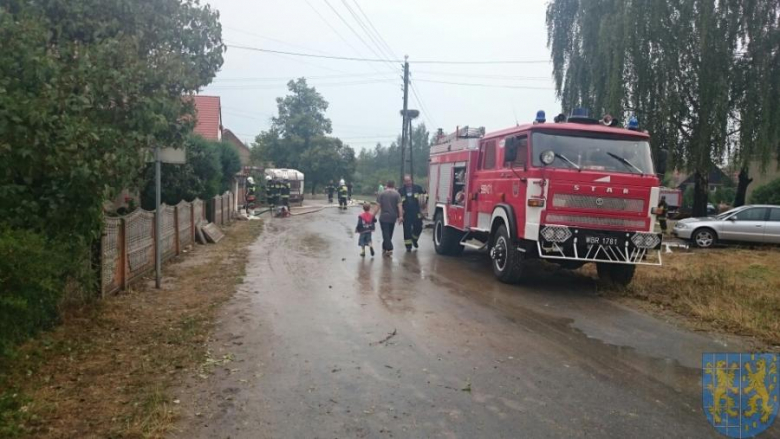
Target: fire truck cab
(571, 192)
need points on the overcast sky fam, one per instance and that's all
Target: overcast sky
(364, 97)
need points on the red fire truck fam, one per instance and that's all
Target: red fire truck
(571, 192)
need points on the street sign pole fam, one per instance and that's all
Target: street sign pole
(157, 219)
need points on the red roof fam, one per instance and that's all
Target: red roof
(208, 114)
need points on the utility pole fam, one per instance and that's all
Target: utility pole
(404, 116)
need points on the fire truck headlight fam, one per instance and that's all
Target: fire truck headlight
(646, 240)
(547, 157)
(556, 233)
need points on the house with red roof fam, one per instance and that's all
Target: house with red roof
(208, 117)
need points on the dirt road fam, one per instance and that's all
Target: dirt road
(320, 343)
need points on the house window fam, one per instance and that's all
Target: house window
(489, 155)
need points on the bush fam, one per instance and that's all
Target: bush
(200, 177)
(767, 194)
(32, 280)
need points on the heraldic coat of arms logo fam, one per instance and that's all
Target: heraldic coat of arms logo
(740, 392)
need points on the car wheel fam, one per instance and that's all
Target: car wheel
(446, 240)
(621, 274)
(704, 238)
(507, 261)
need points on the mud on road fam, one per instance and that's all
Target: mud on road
(321, 343)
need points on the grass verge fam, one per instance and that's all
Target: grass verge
(106, 370)
(731, 290)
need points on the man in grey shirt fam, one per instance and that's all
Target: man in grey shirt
(390, 211)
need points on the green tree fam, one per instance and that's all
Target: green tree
(298, 138)
(383, 163)
(231, 164)
(698, 74)
(85, 87)
(767, 194)
(201, 177)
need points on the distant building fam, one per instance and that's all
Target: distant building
(717, 178)
(243, 150)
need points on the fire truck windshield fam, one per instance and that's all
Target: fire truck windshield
(591, 153)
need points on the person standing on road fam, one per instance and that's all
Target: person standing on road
(284, 193)
(342, 190)
(251, 195)
(365, 227)
(661, 213)
(389, 212)
(412, 214)
(270, 192)
(380, 189)
(349, 191)
(330, 188)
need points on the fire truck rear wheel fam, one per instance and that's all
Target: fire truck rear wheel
(621, 274)
(446, 240)
(507, 261)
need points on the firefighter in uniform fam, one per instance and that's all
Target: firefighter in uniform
(284, 193)
(330, 188)
(272, 196)
(410, 199)
(251, 194)
(342, 190)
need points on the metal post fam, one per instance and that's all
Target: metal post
(157, 219)
(405, 118)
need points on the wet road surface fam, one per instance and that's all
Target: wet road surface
(321, 343)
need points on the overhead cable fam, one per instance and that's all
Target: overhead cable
(347, 58)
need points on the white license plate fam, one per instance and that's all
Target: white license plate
(602, 240)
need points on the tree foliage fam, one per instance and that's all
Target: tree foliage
(767, 194)
(298, 138)
(703, 76)
(375, 166)
(85, 87)
(201, 177)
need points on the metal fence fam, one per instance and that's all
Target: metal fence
(127, 244)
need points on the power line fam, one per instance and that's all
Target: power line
(390, 50)
(363, 26)
(347, 58)
(423, 108)
(326, 84)
(332, 28)
(471, 84)
(274, 40)
(362, 40)
(500, 77)
(285, 78)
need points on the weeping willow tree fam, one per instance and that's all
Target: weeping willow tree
(701, 75)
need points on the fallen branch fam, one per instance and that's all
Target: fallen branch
(386, 339)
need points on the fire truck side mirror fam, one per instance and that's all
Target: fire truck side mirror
(510, 150)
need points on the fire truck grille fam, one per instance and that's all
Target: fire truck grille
(594, 221)
(572, 201)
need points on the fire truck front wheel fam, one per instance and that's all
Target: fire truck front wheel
(621, 274)
(446, 240)
(507, 260)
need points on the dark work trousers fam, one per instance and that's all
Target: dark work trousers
(412, 229)
(387, 235)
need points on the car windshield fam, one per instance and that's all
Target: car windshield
(605, 154)
(728, 213)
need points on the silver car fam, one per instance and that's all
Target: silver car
(755, 223)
